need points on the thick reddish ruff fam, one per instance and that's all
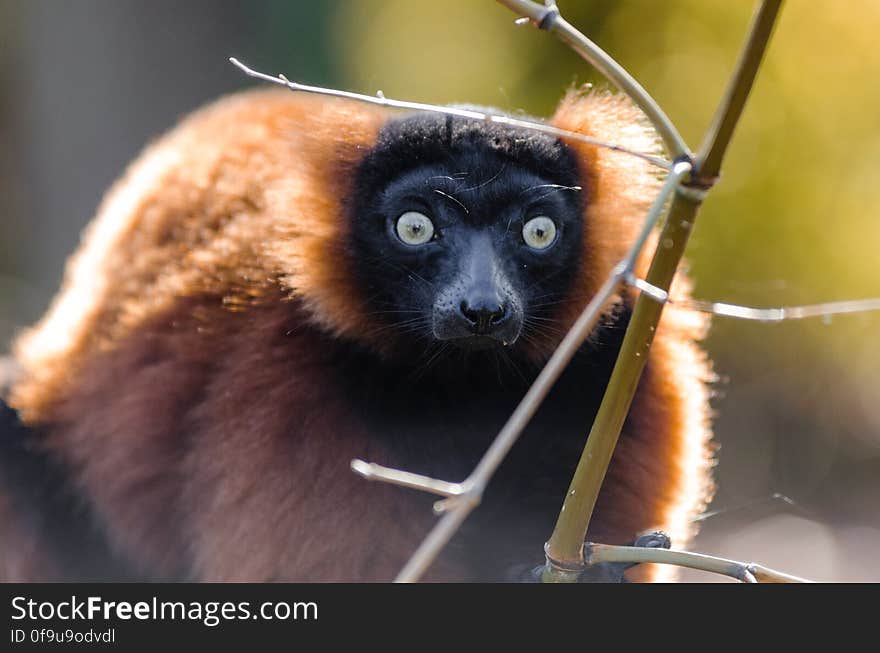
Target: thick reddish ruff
(184, 376)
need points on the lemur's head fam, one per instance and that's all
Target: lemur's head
(466, 231)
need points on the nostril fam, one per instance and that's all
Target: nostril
(483, 317)
(467, 311)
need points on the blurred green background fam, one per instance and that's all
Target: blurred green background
(796, 219)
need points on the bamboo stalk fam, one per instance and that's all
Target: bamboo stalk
(564, 549)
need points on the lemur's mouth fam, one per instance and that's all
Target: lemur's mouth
(478, 329)
(479, 342)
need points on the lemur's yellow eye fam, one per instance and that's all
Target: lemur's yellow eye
(414, 228)
(539, 233)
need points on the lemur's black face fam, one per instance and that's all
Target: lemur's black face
(466, 232)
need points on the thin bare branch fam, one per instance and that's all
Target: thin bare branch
(470, 114)
(374, 472)
(745, 572)
(766, 575)
(437, 539)
(776, 314)
(547, 17)
(779, 314)
(782, 313)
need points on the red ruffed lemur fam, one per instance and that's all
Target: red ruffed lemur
(286, 282)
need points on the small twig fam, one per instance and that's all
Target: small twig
(547, 17)
(745, 572)
(469, 114)
(782, 313)
(766, 575)
(776, 496)
(775, 314)
(374, 472)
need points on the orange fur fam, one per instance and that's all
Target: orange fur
(620, 187)
(244, 193)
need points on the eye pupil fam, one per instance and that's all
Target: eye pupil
(539, 233)
(414, 228)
